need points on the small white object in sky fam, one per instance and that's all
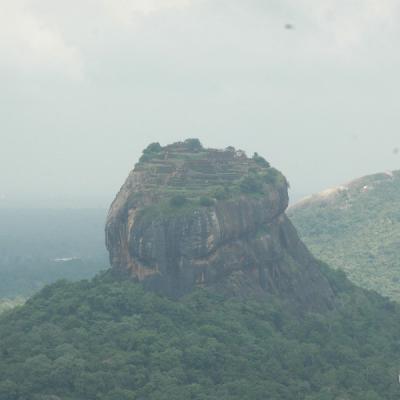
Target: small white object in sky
(65, 259)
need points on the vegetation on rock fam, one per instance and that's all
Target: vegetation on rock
(178, 200)
(206, 201)
(260, 160)
(200, 172)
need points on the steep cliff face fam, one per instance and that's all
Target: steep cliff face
(190, 216)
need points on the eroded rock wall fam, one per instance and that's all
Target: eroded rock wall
(246, 235)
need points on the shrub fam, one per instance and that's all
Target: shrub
(145, 157)
(206, 201)
(251, 184)
(260, 160)
(153, 148)
(178, 200)
(193, 144)
(150, 152)
(221, 193)
(272, 176)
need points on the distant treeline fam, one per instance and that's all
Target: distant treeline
(31, 241)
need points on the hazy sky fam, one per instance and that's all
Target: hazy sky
(85, 85)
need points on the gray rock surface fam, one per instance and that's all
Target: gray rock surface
(244, 236)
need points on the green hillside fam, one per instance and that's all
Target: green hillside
(356, 227)
(109, 340)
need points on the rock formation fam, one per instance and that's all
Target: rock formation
(188, 216)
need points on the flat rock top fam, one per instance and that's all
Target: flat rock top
(186, 173)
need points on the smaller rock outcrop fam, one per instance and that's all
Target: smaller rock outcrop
(190, 216)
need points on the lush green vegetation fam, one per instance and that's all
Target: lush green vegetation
(178, 200)
(155, 150)
(194, 144)
(186, 176)
(357, 229)
(206, 201)
(260, 160)
(31, 241)
(150, 152)
(113, 341)
(183, 200)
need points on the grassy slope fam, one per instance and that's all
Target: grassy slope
(357, 229)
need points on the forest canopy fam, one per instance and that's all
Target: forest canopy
(111, 340)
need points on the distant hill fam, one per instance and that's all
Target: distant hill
(356, 227)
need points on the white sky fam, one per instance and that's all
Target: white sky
(85, 85)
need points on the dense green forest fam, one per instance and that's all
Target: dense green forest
(106, 339)
(38, 247)
(357, 228)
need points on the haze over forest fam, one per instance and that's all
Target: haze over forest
(196, 123)
(85, 86)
